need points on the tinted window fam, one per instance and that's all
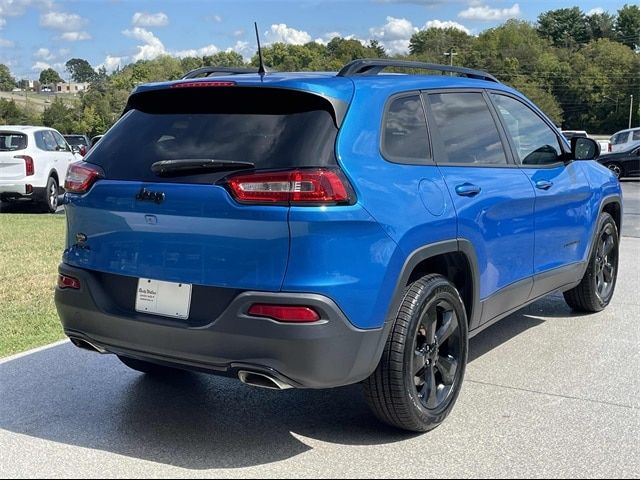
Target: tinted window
(60, 141)
(272, 129)
(535, 142)
(467, 129)
(76, 140)
(619, 138)
(46, 141)
(636, 135)
(404, 137)
(10, 141)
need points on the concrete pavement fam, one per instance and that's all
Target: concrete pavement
(548, 393)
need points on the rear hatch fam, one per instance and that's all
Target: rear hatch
(163, 209)
(13, 162)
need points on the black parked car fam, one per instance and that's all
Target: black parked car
(79, 143)
(625, 163)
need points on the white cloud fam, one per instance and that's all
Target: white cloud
(595, 11)
(39, 66)
(67, 22)
(3, 23)
(6, 43)
(217, 18)
(281, 33)
(151, 48)
(446, 24)
(44, 54)
(327, 37)
(75, 36)
(238, 33)
(144, 19)
(243, 48)
(197, 52)
(394, 35)
(112, 63)
(486, 13)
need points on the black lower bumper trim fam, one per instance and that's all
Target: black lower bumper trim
(328, 353)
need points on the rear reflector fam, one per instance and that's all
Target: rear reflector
(203, 84)
(311, 187)
(81, 177)
(28, 164)
(65, 282)
(285, 313)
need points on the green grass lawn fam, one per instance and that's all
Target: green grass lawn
(30, 250)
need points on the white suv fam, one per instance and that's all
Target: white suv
(33, 162)
(623, 139)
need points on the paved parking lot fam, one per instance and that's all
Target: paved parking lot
(548, 394)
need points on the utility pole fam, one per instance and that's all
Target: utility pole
(630, 110)
(450, 54)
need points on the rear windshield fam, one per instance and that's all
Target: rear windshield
(12, 141)
(75, 140)
(273, 129)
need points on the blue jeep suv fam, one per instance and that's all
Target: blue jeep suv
(315, 230)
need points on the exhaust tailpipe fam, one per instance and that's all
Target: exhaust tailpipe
(85, 345)
(261, 380)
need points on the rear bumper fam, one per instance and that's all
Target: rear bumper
(325, 354)
(19, 191)
(12, 189)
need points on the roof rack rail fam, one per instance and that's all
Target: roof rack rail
(373, 66)
(217, 71)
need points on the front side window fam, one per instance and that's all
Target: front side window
(45, 141)
(535, 142)
(619, 138)
(467, 129)
(60, 142)
(404, 137)
(636, 135)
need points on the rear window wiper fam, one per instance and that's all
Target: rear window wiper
(178, 167)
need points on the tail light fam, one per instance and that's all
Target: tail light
(81, 177)
(306, 187)
(28, 163)
(285, 313)
(202, 84)
(65, 282)
(610, 148)
(83, 150)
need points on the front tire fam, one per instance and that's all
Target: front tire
(419, 377)
(596, 288)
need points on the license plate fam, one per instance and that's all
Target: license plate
(163, 298)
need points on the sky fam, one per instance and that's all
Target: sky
(38, 34)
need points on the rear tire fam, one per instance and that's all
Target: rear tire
(50, 201)
(418, 380)
(149, 368)
(596, 288)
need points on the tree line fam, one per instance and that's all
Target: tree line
(580, 69)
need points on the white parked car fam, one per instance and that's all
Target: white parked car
(623, 139)
(33, 162)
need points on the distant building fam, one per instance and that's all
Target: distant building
(65, 87)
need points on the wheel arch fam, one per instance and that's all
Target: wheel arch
(456, 260)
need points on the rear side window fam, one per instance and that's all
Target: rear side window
(46, 141)
(636, 135)
(467, 130)
(12, 141)
(273, 129)
(404, 136)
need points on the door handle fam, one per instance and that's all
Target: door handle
(544, 184)
(468, 190)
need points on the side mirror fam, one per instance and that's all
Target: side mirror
(584, 148)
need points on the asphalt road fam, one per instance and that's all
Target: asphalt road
(548, 393)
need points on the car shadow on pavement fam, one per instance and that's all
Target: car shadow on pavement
(195, 421)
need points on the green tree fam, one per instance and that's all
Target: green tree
(224, 59)
(59, 116)
(7, 82)
(80, 70)
(565, 27)
(601, 25)
(431, 44)
(49, 75)
(13, 114)
(628, 26)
